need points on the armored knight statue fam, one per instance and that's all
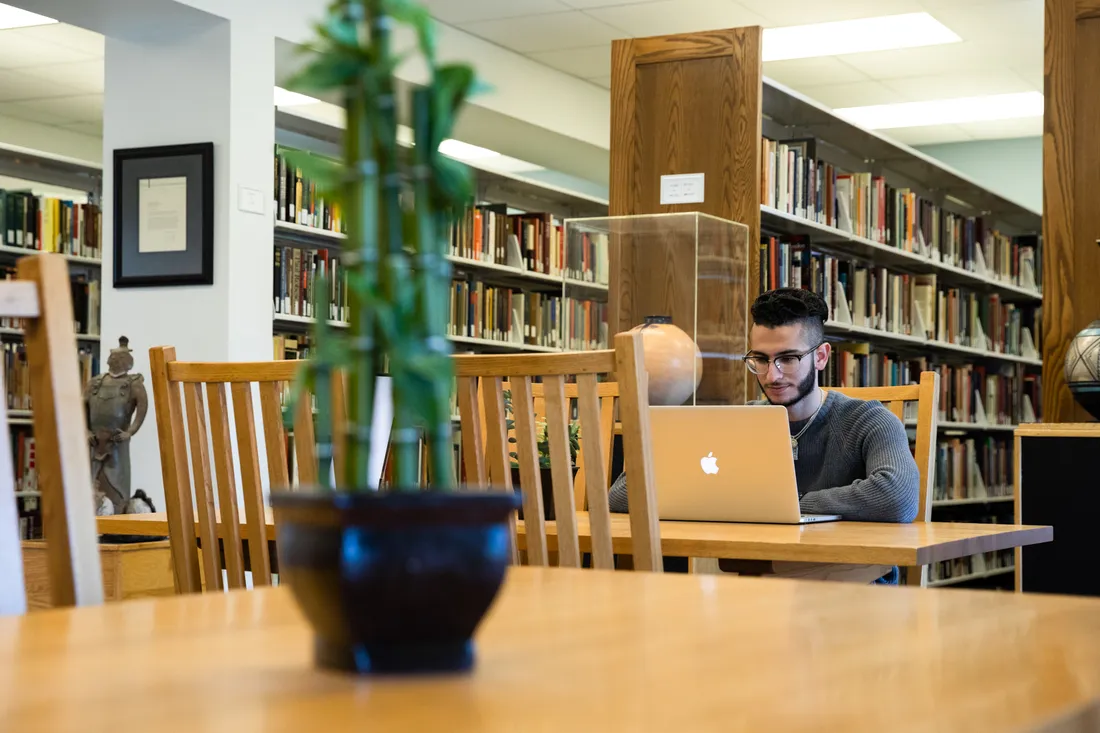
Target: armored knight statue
(116, 403)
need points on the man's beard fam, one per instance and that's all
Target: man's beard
(805, 388)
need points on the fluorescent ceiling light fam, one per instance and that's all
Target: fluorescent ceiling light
(464, 151)
(945, 111)
(287, 98)
(883, 33)
(17, 18)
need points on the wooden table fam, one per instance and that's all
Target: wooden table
(863, 543)
(579, 650)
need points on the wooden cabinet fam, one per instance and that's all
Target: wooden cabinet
(1058, 484)
(129, 571)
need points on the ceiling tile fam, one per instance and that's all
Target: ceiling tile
(949, 58)
(17, 50)
(59, 111)
(962, 84)
(795, 12)
(94, 129)
(676, 16)
(813, 72)
(1033, 76)
(19, 85)
(975, 19)
(469, 11)
(931, 135)
(550, 32)
(858, 94)
(87, 76)
(66, 36)
(603, 81)
(583, 62)
(1023, 127)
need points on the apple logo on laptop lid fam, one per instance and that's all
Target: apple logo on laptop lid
(709, 463)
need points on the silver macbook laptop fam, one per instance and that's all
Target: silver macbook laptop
(726, 464)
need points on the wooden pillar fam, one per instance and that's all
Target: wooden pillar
(680, 104)
(1071, 190)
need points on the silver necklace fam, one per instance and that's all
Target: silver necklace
(794, 438)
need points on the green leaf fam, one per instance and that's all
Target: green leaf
(413, 14)
(333, 68)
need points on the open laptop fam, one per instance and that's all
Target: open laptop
(726, 464)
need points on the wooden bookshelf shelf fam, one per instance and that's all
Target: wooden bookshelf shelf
(504, 345)
(972, 576)
(968, 502)
(971, 427)
(874, 335)
(285, 319)
(830, 238)
(299, 230)
(89, 337)
(21, 251)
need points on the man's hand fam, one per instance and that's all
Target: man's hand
(120, 436)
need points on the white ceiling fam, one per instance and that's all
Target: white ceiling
(1001, 51)
(54, 74)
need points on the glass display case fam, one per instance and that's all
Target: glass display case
(690, 270)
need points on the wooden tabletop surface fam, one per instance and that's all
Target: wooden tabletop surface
(579, 650)
(863, 543)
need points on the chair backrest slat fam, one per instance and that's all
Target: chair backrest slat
(173, 468)
(339, 423)
(633, 381)
(204, 490)
(271, 411)
(227, 485)
(530, 478)
(927, 396)
(41, 294)
(305, 442)
(561, 469)
(590, 413)
(473, 443)
(251, 485)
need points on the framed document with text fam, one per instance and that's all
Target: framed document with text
(164, 216)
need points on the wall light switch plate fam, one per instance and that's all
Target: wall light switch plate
(250, 200)
(685, 188)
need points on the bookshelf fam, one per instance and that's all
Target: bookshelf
(922, 268)
(47, 204)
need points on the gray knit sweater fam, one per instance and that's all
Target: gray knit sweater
(853, 460)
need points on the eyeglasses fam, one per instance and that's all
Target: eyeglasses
(786, 363)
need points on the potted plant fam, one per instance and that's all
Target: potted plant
(398, 580)
(546, 476)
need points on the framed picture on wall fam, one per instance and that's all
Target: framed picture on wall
(164, 216)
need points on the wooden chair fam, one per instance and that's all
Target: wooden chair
(178, 391)
(41, 295)
(927, 397)
(608, 394)
(486, 448)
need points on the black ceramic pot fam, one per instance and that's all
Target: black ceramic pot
(546, 479)
(1087, 395)
(393, 582)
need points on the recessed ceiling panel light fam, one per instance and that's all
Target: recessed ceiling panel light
(18, 18)
(464, 151)
(287, 98)
(945, 111)
(883, 33)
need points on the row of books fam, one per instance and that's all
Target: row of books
(531, 242)
(963, 567)
(298, 201)
(507, 315)
(17, 373)
(50, 224)
(901, 303)
(86, 299)
(795, 181)
(297, 271)
(973, 468)
(291, 346)
(1008, 395)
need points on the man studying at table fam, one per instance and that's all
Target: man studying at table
(852, 457)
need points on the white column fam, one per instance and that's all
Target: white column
(207, 84)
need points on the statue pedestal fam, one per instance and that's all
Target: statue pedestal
(132, 570)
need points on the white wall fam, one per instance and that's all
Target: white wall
(1012, 167)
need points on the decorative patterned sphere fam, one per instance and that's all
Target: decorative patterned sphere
(672, 359)
(1083, 368)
